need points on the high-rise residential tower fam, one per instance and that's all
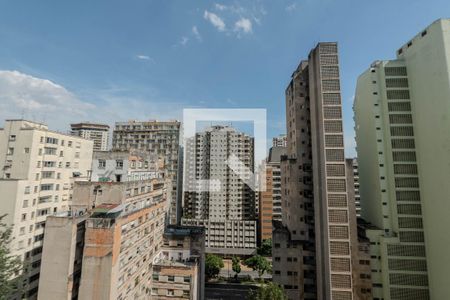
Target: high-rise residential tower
(227, 210)
(161, 138)
(311, 248)
(38, 168)
(279, 141)
(99, 133)
(402, 115)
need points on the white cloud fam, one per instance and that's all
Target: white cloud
(215, 20)
(242, 18)
(196, 33)
(143, 57)
(39, 99)
(243, 25)
(291, 7)
(184, 40)
(42, 100)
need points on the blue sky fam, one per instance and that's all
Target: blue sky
(64, 61)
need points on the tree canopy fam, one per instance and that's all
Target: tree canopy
(236, 265)
(259, 264)
(266, 248)
(10, 266)
(269, 291)
(213, 264)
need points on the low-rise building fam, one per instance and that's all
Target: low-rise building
(178, 269)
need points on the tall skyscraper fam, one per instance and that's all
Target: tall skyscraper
(161, 138)
(99, 133)
(311, 248)
(227, 211)
(38, 168)
(270, 198)
(402, 130)
(279, 141)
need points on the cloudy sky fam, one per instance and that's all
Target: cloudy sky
(106, 61)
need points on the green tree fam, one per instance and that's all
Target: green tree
(236, 266)
(10, 267)
(266, 248)
(213, 264)
(269, 291)
(259, 264)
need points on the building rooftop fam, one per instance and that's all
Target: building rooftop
(174, 263)
(106, 210)
(32, 125)
(88, 125)
(180, 230)
(275, 154)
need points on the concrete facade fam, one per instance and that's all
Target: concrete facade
(62, 256)
(179, 268)
(353, 171)
(98, 133)
(279, 141)
(228, 211)
(123, 226)
(401, 114)
(270, 200)
(130, 165)
(163, 139)
(316, 216)
(360, 244)
(38, 168)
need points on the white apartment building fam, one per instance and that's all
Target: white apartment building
(402, 124)
(38, 168)
(228, 213)
(279, 141)
(128, 165)
(99, 133)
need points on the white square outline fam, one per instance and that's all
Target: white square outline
(256, 115)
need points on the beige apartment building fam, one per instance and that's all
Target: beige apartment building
(360, 244)
(312, 246)
(227, 207)
(402, 130)
(98, 133)
(38, 169)
(103, 248)
(270, 198)
(161, 138)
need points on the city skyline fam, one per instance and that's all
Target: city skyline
(118, 65)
